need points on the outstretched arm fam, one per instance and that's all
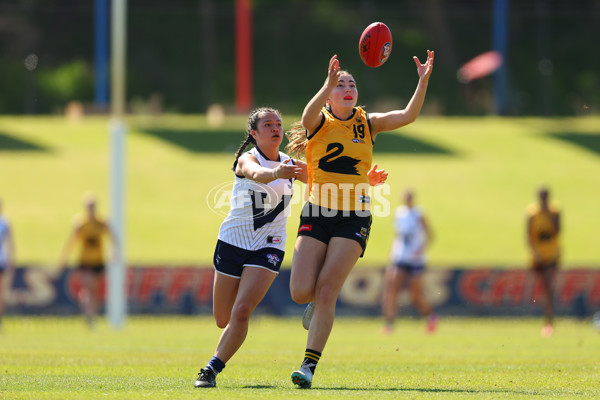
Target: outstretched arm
(311, 117)
(389, 121)
(249, 167)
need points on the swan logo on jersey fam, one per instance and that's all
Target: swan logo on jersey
(333, 161)
(273, 259)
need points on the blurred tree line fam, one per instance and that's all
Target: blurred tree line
(180, 53)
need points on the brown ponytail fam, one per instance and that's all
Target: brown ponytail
(296, 140)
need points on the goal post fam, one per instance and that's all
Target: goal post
(116, 307)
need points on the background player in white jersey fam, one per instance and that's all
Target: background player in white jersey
(412, 235)
(7, 254)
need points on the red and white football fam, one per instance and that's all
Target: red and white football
(375, 45)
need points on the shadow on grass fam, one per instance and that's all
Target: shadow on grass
(259, 387)
(435, 390)
(407, 389)
(10, 143)
(228, 141)
(590, 142)
(199, 140)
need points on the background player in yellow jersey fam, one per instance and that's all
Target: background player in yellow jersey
(337, 139)
(89, 233)
(543, 229)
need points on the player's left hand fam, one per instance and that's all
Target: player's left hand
(377, 176)
(424, 70)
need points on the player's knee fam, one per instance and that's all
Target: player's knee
(241, 313)
(327, 294)
(301, 295)
(221, 319)
(222, 322)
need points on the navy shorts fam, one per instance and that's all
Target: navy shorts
(230, 260)
(410, 268)
(95, 269)
(323, 224)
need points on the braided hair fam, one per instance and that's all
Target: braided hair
(255, 116)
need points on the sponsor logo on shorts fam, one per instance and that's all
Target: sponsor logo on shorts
(273, 259)
(305, 227)
(358, 235)
(364, 232)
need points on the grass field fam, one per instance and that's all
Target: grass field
(158, 358)
(473, 176)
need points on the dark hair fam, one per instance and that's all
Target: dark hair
(255, 116)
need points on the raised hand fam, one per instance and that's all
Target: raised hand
(424, 70)
(333, 73)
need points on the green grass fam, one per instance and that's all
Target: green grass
(157, 358)
(474, 177)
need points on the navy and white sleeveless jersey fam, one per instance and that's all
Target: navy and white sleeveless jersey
(258, 211)
(4, 230)
(410, 235)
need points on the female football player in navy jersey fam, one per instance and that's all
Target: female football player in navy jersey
(337, 139)
(251, 241)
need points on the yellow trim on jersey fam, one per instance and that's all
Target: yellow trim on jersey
(338, 157)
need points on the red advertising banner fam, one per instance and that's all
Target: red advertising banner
(188, 290)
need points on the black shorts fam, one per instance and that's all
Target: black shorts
(230, 260)
(96, 269)
(410, 268)
(544, 265)
(323, 224)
